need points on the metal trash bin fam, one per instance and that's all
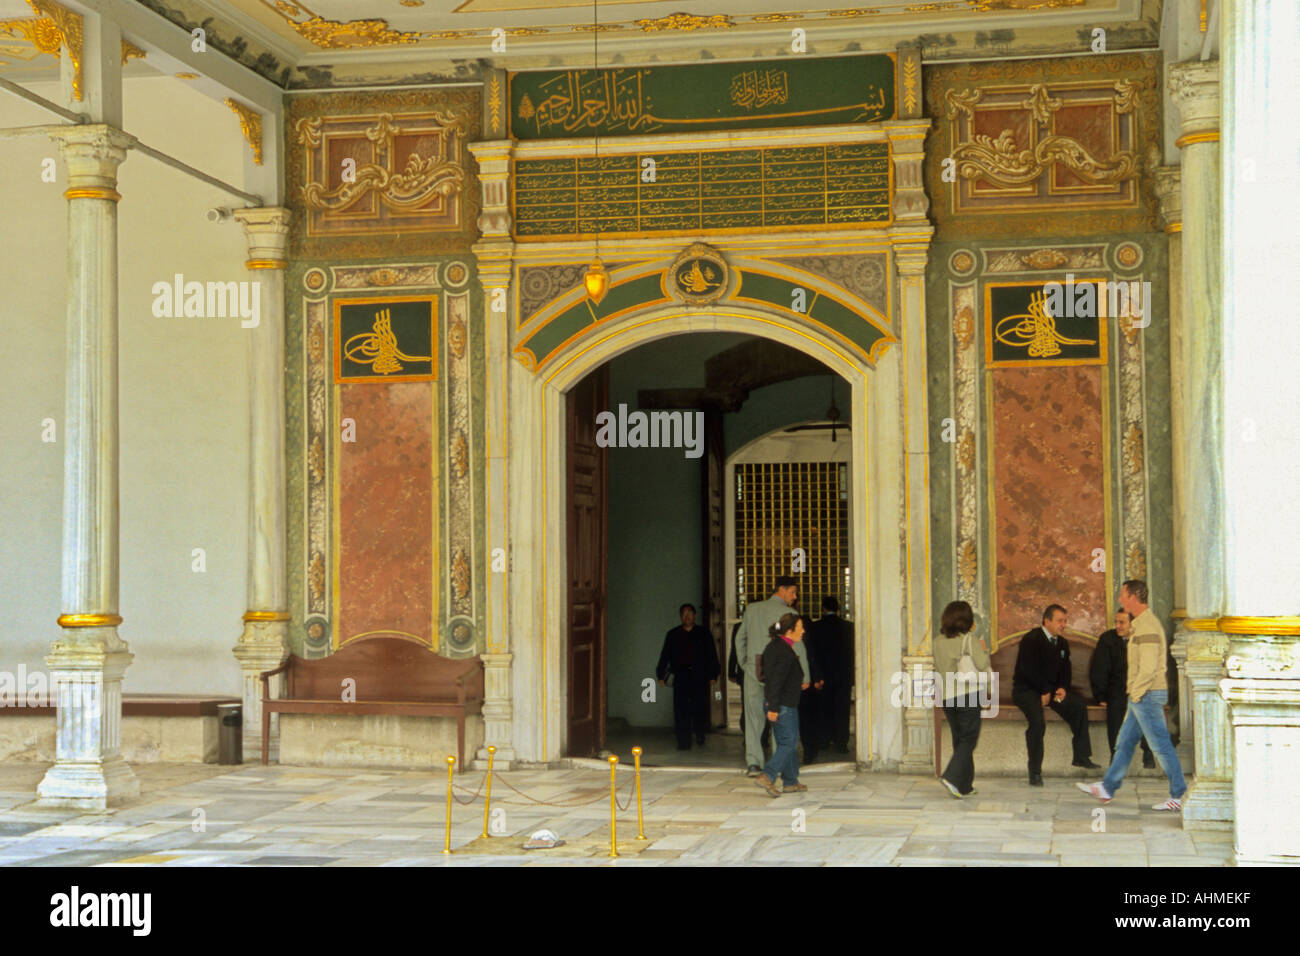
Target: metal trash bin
(230, 733)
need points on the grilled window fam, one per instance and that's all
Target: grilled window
(788, 505)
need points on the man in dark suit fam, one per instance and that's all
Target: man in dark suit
(832, 636)
(1109, 678)
(689, 657)
(1042, 679)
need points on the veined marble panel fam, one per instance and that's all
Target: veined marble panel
(386, 534)
(1048, 480)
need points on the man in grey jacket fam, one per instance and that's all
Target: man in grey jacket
(751, 639)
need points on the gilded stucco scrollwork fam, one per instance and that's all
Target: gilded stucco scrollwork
(1044, 147)
(338, 34)
(375, 174)
(1002, 162)
(420, 179)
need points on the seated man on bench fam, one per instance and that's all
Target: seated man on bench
(1042, 679)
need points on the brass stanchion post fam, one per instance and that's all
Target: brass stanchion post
(613, 808)
(640, 823)
(451, 768)
(487, 800)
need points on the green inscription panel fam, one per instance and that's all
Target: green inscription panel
(709, 96)
(708, 191)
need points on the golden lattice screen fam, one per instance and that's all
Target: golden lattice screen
(787, 505)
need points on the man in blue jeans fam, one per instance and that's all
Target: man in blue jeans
(1147, 695)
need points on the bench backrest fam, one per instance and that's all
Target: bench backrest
(384, 668)
(1081, 648)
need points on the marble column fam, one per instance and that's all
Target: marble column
(88, 661)
(495, 254)
(264, 643)
(910, 236)
(1197, 363)
(1261, 441)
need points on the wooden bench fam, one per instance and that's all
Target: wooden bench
(391, 675)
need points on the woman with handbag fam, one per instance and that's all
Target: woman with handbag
(962, 663)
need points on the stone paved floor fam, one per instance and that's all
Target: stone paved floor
(255, 815)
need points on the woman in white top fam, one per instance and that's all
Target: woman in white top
(958, 657)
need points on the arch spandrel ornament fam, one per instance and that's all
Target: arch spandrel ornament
(699, 278)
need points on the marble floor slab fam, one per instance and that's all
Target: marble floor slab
(198, 815)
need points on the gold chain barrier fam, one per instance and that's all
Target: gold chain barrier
(485, 788)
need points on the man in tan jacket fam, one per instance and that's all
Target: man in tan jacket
(1147, 696)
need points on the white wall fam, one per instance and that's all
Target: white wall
(183, 396)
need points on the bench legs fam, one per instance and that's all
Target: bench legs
(266, 732)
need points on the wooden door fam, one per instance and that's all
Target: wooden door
(713, 614)
(585, 509)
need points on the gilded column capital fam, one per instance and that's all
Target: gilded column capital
(1194, 89)
(266, 229)
(92, 154)
(1169, 191)
(494, 159)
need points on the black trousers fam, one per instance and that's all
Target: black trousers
(1116, 708)
(690, 708)
(1072, 710)
(812, 722)
(965, 724)
(838, 694)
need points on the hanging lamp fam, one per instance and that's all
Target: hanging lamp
(596, 279)
(833, 413)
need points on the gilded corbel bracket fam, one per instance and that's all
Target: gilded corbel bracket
(68, 25)
(250, 123)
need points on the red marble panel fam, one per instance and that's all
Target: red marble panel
(1048, 495)
(386, 510)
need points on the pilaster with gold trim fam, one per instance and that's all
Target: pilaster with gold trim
(910, 237)
(87, 663)
(264, 643)
(495, 253)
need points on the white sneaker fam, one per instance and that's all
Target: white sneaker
(1172, 805)
(951, 789)
(1095, 790)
